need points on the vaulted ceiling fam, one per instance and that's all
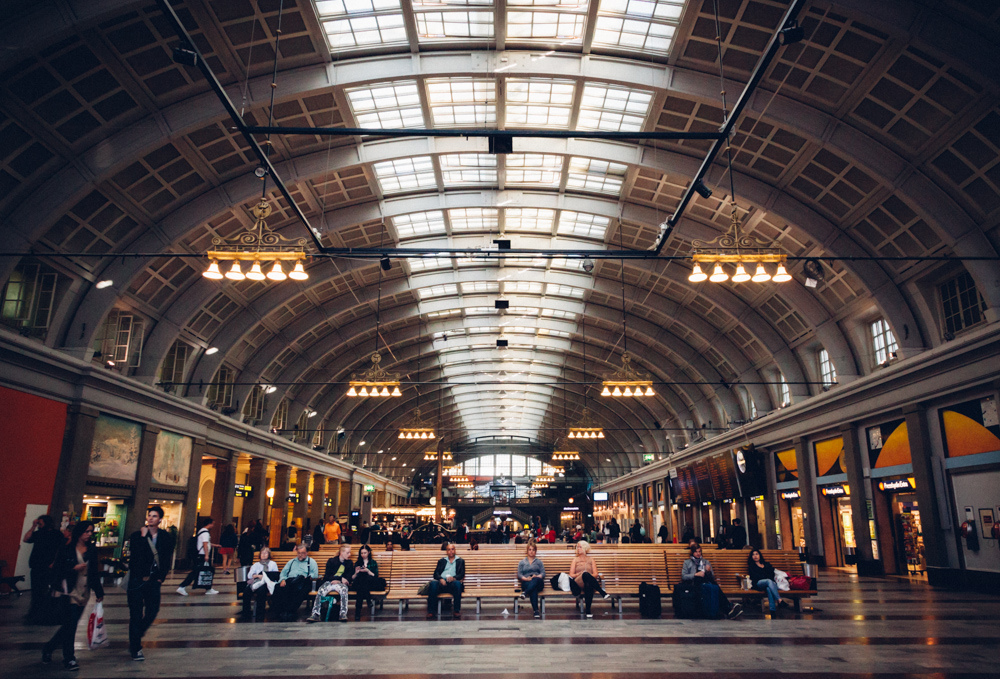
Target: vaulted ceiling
(876, 135)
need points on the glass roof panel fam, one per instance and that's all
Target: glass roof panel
(480, 286)
(615, 109)
(473, 219)
(405, 174)
(559, 24)
(468, 168)
(558, 313)
(443, 314)
(539, 103)
(564, 290)
(599, 176)
(458, 102)
(524, 287)
(336, 8)
(522, 311)
(453, 25)
(437, 290)
(582, 224)
(529, 219)
(533, 169)
(638, 25)
(388, 105)
(419, 224)
(383, 29)
(425, 4)
(479, 311)
(428, 263)
(553, 333)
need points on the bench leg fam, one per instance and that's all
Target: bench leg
(401, 608)
(515, 605)
(439, 608)
(620, 605)
(543, 605)
(798, 604)
(479, 605)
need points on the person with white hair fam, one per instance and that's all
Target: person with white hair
(583, 576)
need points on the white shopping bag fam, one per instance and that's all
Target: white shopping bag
(97, 634)
(781, 580)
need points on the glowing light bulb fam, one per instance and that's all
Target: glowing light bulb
(236, 273)
(276, 273)
(363, 391)
(213, 272)
(761, 275)
(697, 275)
(401, 435)
(616, 392)
(255, 274)
(606, 392)
(431, 435)
(781, 276)
(719, 275)
(600, 434)
(650, 392)
(385, 391)
(741, 275)
(397, 392)
(298, 273)
(572, 435)
(423, 435)
(352, 392)
(628, 391)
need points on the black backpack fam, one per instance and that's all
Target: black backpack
(687, 599)
(650, 605)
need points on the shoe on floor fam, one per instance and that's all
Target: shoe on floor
(431, 616)
(46, 657)
(211, 591)
(312, 618)
(522, 597)
(607, 596)
(735, 612)
(590, 615)
(457, 615)
(138, 656)
(537, 614)
(344, 619)
(182, 591)
(71, 665)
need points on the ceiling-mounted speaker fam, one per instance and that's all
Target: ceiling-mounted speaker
(501, 304)
(501, 144)
(501, 343)
(502, 243)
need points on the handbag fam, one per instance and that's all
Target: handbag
(799, 582)
(97, 634)
(425, 590)
(379, 585)
(205, 577)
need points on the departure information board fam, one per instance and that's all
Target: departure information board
(686, 486)
(722, 473)
(704, 479)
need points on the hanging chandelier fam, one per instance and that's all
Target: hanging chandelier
(432, 457)
(627, 381)
(746, 252)
(464, 485)
(459, 479)
(565, 456)
(257, 246)
(375, 381)
(545, 479)
(537, 485)
(586, 428)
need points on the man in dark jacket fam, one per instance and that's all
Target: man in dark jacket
(663, 533)
(151, 551)
(338, 576)
(47, 541)
(614, 531)
(449, 577)
(737, 535)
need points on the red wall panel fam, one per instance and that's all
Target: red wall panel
(31, 437)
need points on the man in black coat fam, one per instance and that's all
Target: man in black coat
(46, 540)
(449, 577)
(151, 551)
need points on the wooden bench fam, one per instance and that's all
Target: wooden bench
(730, 566)
(327, 552)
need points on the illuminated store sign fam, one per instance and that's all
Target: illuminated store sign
(898, 484)
(501, 512)
(369, 488)
(790, 495)
(834, 491)
(243, 490)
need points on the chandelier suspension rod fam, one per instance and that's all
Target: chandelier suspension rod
(480, 133)
(727, 128)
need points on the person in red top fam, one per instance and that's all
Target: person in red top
(551, 535)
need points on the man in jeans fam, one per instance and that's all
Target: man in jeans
(151, 551)
(294, 583)
(204, 544)
(448, 578)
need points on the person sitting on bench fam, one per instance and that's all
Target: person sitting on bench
(295, 582)
(762, 578)
(365, 579)
(449, 576)
(531, 574)
(583, 576)
(255, 585)
(700, 570)
(339, 572)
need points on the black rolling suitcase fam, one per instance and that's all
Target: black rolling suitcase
(650, 605)
(687, 599)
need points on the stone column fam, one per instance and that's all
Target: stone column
(189, 512)
(853, 458)
(928, 494)
(770, 500)
(254, 506)
(143, 479)
(317, 506)
(810, 504)
(224, 494)
(335, 497)
(279, 504)
(301, 509)
(665, 499)
(74, 461)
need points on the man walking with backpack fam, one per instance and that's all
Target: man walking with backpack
(203, 546)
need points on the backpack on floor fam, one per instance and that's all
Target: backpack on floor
(650, 605)
(686, 599)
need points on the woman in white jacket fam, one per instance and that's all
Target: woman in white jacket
(257, 584)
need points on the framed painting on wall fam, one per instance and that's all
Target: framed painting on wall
(114, 453)
(172, 460)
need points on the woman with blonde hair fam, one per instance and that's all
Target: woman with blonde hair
(583, 576)
(531, 575)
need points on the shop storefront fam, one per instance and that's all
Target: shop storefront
(894, 501)
(835, 515)
(788, 514)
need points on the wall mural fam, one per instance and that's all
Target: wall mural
(888, 445)
(172, 461)
(971, 427)
(115, 451)
(786, 467)
(830, 457)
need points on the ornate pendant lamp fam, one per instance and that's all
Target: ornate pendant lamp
(586, 428)
(257, 245)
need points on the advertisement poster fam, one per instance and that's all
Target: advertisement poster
(115, 451)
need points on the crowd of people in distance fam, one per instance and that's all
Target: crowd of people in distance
(65, 569)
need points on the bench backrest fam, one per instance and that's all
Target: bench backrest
(730, 565)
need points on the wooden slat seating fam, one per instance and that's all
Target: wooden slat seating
(730, 565)
(327, 552)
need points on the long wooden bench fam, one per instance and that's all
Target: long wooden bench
(730, 566)
(327, 552)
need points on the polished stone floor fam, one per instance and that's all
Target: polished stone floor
(859, 626)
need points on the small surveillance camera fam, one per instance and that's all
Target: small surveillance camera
(588, 265)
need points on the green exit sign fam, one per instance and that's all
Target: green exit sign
(369, 488)
(648, 457)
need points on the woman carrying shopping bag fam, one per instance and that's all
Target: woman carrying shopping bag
(76, 573)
